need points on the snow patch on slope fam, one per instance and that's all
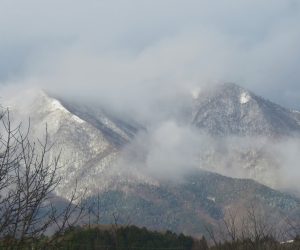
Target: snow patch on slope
(108, 123)
(56, 105)
(244, 98)
(77, 119)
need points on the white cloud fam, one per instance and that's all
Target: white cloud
(143, 57)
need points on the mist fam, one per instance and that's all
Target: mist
(146, 59)
(171, 152)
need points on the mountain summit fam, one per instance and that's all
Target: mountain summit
(229, 109)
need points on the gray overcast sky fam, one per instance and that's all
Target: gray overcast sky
(135, 47)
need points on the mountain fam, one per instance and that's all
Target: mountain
(201, 199)
(90, 144)
(229, 109)
(251, 137)
(93, 141)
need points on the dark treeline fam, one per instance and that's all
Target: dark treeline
(130, 237)
(113, 238)
(134, 238)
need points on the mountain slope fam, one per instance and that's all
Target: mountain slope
(229, 109)
(250, 137)
(87, 148)
(201, 199)
(117, 131)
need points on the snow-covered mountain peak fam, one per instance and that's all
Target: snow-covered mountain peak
(229, 109)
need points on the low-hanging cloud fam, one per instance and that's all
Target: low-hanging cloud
(145, 59)
(166, 151)
(131, 54)
(170, 151)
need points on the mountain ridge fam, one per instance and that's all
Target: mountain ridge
(232, 110)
